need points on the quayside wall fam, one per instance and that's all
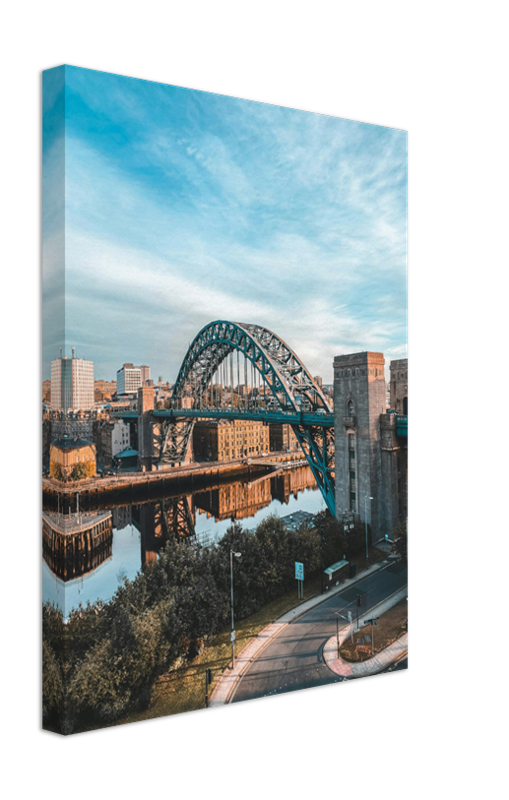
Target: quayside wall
(137, 488)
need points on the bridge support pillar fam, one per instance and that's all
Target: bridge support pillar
(145, 432)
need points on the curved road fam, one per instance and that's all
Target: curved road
(293, 659)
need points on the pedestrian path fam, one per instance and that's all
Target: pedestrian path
(228, 680)
(360, 669)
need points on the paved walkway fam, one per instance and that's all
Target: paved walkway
(360, 669)
(228, 680)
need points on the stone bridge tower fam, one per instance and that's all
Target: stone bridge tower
(359, 400)
(399, 385)
(371, 450)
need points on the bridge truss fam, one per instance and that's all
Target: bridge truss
(294, 397)
(173, 519)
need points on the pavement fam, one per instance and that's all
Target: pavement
(227, 682)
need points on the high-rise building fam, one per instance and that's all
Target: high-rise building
(72, 383)
(128, 379)
(131, 378)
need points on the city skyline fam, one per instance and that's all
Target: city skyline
(183, 207)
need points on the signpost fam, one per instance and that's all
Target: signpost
(373, 622)
(299, 575)
(209, 677)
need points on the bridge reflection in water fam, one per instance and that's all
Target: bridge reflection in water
(74, 546)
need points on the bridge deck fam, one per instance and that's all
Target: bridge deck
(262, 415)
(401, 425)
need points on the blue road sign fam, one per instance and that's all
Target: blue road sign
(299, 571)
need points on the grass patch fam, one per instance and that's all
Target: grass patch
(390, 627)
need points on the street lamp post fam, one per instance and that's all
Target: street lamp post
(232, 635)
(366, 498)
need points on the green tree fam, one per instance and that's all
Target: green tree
(307, 548)
(246, 576)
(276, 567)
(399, 540)
(93, 688)
(52, 685)
(85, 627)
(333, 543)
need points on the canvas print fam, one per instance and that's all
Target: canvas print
(224, 400)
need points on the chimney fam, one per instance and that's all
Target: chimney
(73, 352)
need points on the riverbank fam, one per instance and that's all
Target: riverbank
(139, 487)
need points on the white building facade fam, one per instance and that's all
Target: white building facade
(120, 438)
(72, 384)
(128, 379)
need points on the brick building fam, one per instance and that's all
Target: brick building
(225, 440)
(282, 438)
(104, 390)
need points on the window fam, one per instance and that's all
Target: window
(352, 475)
(352, 501)
(349, 408)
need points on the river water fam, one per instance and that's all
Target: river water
(134, 534)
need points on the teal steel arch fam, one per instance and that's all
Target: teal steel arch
(292, 386)
(290, 382)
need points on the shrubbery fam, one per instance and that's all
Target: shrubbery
(108, 656)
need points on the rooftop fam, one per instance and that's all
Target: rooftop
(70, 443)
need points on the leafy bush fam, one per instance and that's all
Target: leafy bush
(108, 656)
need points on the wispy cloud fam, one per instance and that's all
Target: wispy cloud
(183, 207)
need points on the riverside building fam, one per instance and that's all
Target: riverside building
(72, 459)
(224, 440)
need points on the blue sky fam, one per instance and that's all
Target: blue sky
(182, 207)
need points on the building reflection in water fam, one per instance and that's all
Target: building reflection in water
(74, 545)
(77, 544)
(243, 500)
(290, 482)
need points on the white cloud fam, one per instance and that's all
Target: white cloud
(285, 219)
